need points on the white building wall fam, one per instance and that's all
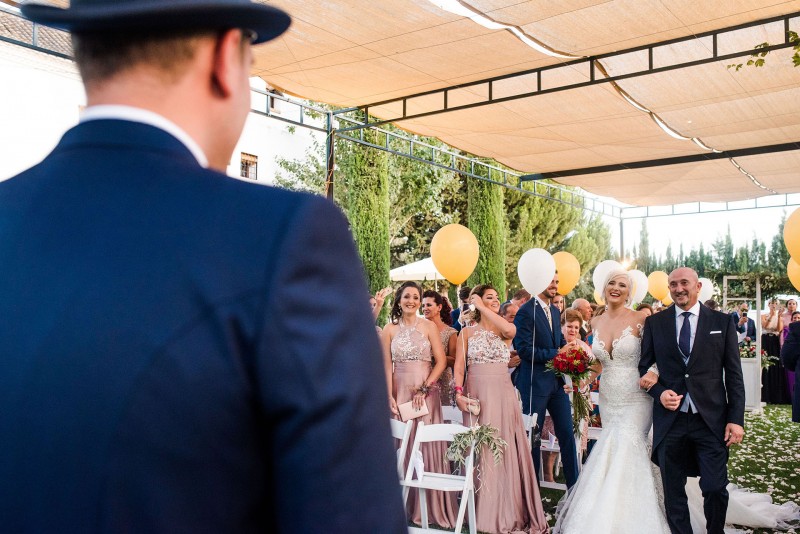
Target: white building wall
(41, 97)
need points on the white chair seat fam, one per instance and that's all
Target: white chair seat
(442, 481)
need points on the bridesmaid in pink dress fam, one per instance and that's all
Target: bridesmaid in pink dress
(508, 498)
(410, 343)
(437, 310)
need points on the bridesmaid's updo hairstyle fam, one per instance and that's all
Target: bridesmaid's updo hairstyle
(444, 313)
(619, 273)
(396, 312)
(479, 290)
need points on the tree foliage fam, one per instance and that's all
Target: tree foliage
(485, 218)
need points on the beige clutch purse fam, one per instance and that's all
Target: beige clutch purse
(407, 411)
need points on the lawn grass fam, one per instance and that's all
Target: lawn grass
(768, 461)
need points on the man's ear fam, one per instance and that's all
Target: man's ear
(228, 61)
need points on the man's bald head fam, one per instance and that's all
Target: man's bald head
(684, 287)
(583, 306)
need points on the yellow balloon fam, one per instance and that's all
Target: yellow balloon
(667, 301)
(598, 298)
(657, 285)
(791, 234)
(569, 271)
(793, 270)
(454, 250)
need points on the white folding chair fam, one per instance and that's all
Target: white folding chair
(401, 431)
(529, 422)
(440, 481)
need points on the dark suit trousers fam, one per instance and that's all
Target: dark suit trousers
(557, 403)
(688, 440)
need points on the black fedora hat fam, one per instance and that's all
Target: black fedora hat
(130, 15)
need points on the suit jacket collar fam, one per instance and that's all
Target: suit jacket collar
(126, 136)
(145, 116)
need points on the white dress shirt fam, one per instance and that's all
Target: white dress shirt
(679, 318)
(144, 116)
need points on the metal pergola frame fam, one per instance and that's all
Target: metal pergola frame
(486, 86)
(400, 144)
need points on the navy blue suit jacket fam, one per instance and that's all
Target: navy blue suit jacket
(713, 376)
(790, 355)
(536, 352)
(182, 352)
(750, 326)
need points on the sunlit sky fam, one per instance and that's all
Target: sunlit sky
(692, 230)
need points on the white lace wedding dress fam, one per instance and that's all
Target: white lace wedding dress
(619, 489)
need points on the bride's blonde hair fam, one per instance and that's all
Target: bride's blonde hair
(619, 273)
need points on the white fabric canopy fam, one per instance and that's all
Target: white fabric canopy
(359, 52)
(419, 270)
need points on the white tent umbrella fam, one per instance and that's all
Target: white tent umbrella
(419, 270)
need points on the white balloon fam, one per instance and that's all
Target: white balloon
(601, 271)
(639, 290)
(536, 269)
(706, 290)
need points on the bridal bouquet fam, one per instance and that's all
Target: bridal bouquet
(573, 362)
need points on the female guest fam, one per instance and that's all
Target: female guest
(559, 302)
(409, 344)
(786, 318)
(774, 390)
(571, 330)
(436, 309)
(508, 499)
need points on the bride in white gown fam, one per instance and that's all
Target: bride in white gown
(619, 489)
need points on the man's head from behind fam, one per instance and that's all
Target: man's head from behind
(186, 60)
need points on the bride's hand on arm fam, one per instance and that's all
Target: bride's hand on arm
(648, 380)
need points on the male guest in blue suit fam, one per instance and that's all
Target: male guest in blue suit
(790, 355)
(159, 373)
(537, 342)
(744, 324)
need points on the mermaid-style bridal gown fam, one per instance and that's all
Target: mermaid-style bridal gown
(619, 489)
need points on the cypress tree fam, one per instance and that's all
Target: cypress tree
(485, 218)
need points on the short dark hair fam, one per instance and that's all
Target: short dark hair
(463, 293)
(504, 308)
(100, 56)
(712, 304)
(520, 294)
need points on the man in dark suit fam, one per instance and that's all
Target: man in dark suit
(699, 399)
(790, 355)
(537, 341)
(164, 369)
(455, 315)
(583, 306)
(744, 325)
